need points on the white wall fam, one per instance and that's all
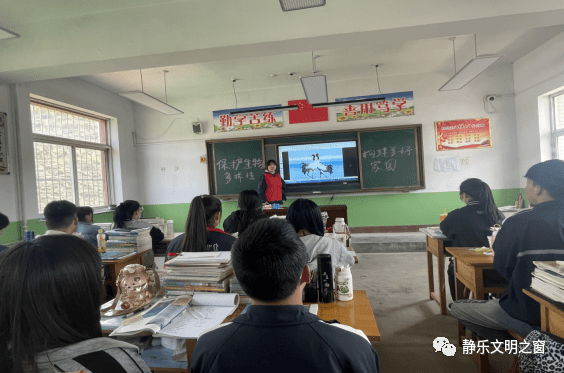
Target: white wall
(537, 75)
(8, 205)
(78, 94)
(178, 146)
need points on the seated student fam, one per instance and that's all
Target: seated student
(60, 217)
(250, 210)
(277, 334)
(50, 311)
(201, 233)
(127, 216)
(532, 235)
(4, 222)
(85, 227)
(469, 226)
(305, 216)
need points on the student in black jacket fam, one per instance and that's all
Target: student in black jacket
(532, 235)
(4, 222)
(277, 334)
(250, 210)
(470, 225)
(201, 233)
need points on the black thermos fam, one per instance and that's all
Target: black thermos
(325, 278)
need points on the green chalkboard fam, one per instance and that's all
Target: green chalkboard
(237, 166)
(391, 159)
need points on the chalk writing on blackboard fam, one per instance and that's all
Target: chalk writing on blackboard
(235, 169)
(387, 165)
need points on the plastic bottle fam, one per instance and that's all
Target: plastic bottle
(344, 283)
(169, 228)
(101, 238)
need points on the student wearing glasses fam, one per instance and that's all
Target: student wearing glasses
(127, 216)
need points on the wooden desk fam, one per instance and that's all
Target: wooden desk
(116, 265)
(435, 245)
(476, 271)
(356, 313)
(334, 211)
(552, 313)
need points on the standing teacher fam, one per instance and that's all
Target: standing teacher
(271, 187)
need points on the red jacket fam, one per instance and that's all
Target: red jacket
(271, 188)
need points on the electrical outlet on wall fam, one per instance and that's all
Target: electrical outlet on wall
(465, 160)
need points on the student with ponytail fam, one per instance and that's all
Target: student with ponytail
(201, 233)
(469, 226)
(250, 210)
(127, 216)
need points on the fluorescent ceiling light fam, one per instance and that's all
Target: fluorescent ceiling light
(315, 88)
(288, 5)
(349, 102)
(7, 34)
(264, 110)
(470, 71)
(149, 101)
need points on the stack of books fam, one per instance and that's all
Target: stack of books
(235, 287)
(198, 272)
(129, 240)
(548, 279)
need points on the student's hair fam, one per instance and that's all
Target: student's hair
(59, 214)
(200, 217)
(305, 214)
(268, 260)
(481, 192)
(83, 211)
(550, 176)
(250, 205)
(125, 211)
(4, 221)
(270, 161)
(50, 295)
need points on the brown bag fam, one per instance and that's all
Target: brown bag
(136, 285)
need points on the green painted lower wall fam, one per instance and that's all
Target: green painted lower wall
(363, 211)
(371, 210)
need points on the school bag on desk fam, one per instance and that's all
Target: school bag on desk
(136, 286)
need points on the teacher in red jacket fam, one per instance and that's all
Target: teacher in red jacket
(271, 187)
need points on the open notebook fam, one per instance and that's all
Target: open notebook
(182, 317)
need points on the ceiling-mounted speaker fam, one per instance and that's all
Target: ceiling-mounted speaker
(197, 128)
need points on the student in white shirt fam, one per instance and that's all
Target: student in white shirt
(60, 217)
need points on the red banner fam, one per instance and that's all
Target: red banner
(463, 134)
(307, 114)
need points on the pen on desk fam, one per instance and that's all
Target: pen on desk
(135, 312)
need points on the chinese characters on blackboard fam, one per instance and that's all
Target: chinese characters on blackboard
(239, 169)
(385, 159)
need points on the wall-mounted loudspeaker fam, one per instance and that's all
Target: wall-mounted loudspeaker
(197, 128)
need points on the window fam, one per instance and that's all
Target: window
(557, 103)
(71, 157)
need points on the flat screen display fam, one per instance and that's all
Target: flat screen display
(315, 163)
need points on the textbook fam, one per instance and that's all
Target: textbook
(129, 232)
(181, 317)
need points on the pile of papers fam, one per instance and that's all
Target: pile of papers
(201, 271)
(235, 287)
(548, 279)
(129, 240)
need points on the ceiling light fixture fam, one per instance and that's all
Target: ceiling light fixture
(289, 5)
(144, 99)
(470, 71)
(315, 86)
(7, 34)
(267, 109)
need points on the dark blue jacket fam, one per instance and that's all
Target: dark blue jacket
(536, 234)
(282, 339)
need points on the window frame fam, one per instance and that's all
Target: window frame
(73, 144)
(555, 133)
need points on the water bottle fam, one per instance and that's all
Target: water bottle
(325, 278)
(344, 282)
(169, 229)
(101, 238)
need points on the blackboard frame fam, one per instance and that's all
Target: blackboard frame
(420, 169)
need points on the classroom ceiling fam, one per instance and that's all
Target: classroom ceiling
(203, 44)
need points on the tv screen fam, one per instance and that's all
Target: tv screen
(331, 162)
